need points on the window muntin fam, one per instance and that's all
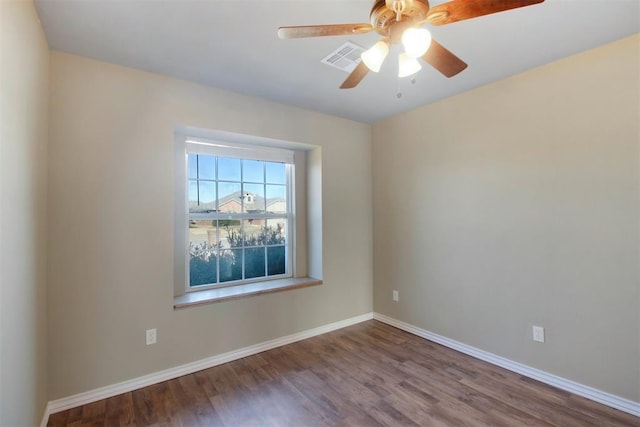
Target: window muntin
(239, 217)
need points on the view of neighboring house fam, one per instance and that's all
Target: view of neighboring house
(237, 202)
(241, 202)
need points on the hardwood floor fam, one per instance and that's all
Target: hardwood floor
(369, 374)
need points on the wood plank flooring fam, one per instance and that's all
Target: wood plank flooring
(369, 374)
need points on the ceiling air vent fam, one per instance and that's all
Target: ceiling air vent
(345, 58)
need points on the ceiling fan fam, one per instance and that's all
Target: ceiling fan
(400, 22)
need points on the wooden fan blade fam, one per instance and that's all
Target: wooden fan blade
(459, 10)
(355, 77)
(323, 30)
(443, 60)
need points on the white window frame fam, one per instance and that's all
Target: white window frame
(193, 145)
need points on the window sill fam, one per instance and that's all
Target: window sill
(240, 291)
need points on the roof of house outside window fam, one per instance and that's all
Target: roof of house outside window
(232, 203)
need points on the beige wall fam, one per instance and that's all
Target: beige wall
(24, 75)
(111, 229)
(520, 206)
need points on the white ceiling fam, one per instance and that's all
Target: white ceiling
(233, 45)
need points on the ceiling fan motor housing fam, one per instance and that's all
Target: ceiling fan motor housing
(384, 14)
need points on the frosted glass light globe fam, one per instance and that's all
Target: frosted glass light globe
(374, 56)
(416, 41)
(407, 65)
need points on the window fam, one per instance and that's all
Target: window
(239, 219)
(247, 216)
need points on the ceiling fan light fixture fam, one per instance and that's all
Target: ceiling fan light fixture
(416, 41)
(407, 65)
(392, 18)
(374, 56)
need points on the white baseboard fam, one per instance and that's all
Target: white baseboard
(605, 398)
(80, 399)
(45, 416)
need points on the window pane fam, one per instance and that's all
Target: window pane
(276, 173)
(276, 260)
(230, 265)
(199, 233)
(202, 253)
(276, 199)
(228, 169)
(253, 171)
(192, 166)
(275, 231)
(206, 167)
(202, 196)
(253, 232)
(254, 263)
(193, 196)
(229, 233)
(207, 194)
(253, 197)
(230, 200)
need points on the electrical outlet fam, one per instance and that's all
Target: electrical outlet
(538, 333)
(152, 336)
(396, 296)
